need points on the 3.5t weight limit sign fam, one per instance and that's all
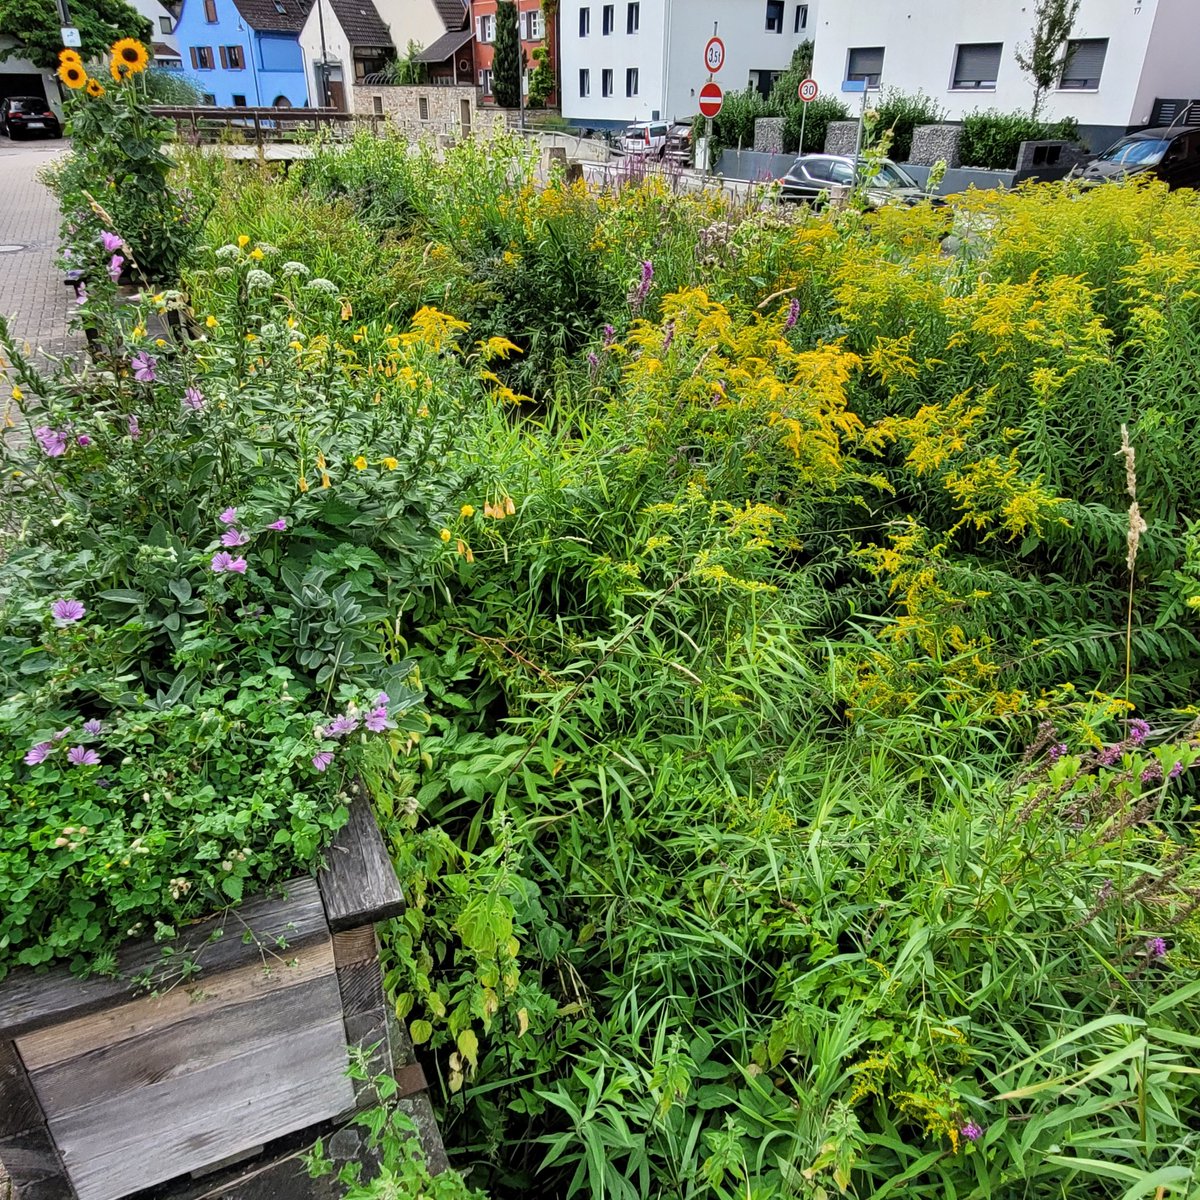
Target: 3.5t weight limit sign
(711, 99)
(714, 54)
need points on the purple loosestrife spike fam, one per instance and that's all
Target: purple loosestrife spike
(322, 759)
(135, 429)
(971, 1131)
(67, 611)
(144, 366)
(81, 756)
(793, 314)
(110, 241)
(609, 334)
(115, 265)
(1153, 773)
(1156, 948)
(233, 537)
(593, 364)
(93, 727)
(193, 398)
(39, 753)
(279, 525)
(52, 442)
(228, 516)
(1056, 751)
(1139, 731)
(668, 336)
(1109, 755)
(1175, 771)
(1106, 890)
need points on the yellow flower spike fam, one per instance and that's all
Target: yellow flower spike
(347, 311)
(243, 240)
(324, 479)
(445, 535)
(467, 510)
(390, 463)
(210, 321)
(131, 55)
(302, 484)
(423, 411)
(256, 253)
(360, 463)
(320, 461)
(291, 322)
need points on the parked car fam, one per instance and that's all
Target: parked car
(22, 116)
(645, 138)
(1171, 154)
(679, 143)
(813, 176)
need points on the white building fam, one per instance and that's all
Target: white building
(643, 60)
(1126, 56)
(163, 41)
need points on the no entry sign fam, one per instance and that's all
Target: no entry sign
(711, 99)
(808, 90)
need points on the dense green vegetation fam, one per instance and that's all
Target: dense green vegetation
(804, 608)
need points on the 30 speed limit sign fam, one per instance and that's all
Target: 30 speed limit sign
(807, 90)
(714, 54)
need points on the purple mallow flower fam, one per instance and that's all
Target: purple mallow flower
(81, 756)
(110, 241)
(971, 1131)
(52, 442)
(38, 753)
(233, 537)
(377, 721)
(228, 516)
(67, 611)
(279, 525)
(62, 733)
(322, 759)
(1156, 948)
(340, 726)
(115, 265)
(93, 726)
(222, 561)
(383, 698)
(144, 367)
(193, 398)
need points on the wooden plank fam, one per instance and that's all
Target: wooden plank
(361, 986)
(359, 883)
(193, 1004)
(353, 946)
(33, 999)
(19, 1109)
(160, 1130)
(33, 1166)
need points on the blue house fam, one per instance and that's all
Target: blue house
(245, 53)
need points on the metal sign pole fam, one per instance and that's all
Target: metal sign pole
(803, 119)
(862, 112)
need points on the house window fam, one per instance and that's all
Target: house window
(533, 27)
(631, 81)
(865, 62)
(164, 24)
(1084, 64)
(976, 65)
(233, 58)
(202, 58)
(423, 107)
(487, 28)
(774, 16)
(801, 17)
(239, 102)
(609, 19)
(209, 98)
(485, 81)
(210, 11)
(585, 82)
(377, 105)
(606, 82)
(633, 17)
(585, 22)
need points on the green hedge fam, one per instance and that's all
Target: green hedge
(992, 139)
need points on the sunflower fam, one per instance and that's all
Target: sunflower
(95, 89)
(131, 55)
(70, 56)
(72, 74)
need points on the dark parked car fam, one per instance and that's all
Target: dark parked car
(1170, 154)
(24, 116)
(812, 176)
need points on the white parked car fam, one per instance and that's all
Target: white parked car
(648, 138)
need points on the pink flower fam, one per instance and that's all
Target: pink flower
(135, 430)
(383, 698)
(222, 562)
(340, 726)
(81, 296)
(228, 516)
(52, 442)
(62, 733)
(377, 721)
(971, 1131)
(233, 537)
(193, 398)
(144, 367)
(110, 241)
(67, 611)
(322, 759)
(81, 756)
(238, 565)
(84, 440)
(279, 525)
(115, 264)
(93, 727)
(38, 753)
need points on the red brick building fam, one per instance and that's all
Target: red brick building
(537, 29)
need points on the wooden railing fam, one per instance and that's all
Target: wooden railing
(258, 126)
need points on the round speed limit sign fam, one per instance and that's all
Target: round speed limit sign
(714, 54)
(808, 90)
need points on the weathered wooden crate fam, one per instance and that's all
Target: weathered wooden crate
(214, 1052)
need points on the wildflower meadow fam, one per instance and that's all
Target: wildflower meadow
(769, 639)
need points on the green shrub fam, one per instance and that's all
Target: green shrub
(992, 139)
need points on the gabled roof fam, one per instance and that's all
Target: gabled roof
(162, 50)
(361, 24)
(453, 14)
(265, 15)
(445, 46)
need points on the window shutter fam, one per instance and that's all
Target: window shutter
(224, 57)
(866, 60)
(195, 63)
(977, 65)
(1085, 63)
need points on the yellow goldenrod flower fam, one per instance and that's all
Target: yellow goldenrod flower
(243, 240)
(131, 55)
(467, 510)
(360, 463)
(210, 321)
(390, 463)
(256, 253)
(72, 74)
(444, 535)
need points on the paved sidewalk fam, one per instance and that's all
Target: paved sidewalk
(32, 293)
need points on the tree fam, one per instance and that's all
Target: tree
(506, 62)
(35, 26)
(1042, 60)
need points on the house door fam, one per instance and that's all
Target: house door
(337, 95)
(464, 116)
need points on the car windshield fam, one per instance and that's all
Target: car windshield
(26, 105)
(1142, 151)
(636, 133)
(892, 176)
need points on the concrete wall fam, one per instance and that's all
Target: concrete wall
(402, 106)
(1154, 48)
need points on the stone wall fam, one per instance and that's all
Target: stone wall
(933, 143)
(841, 136)
(768, 135)
(425, 111)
